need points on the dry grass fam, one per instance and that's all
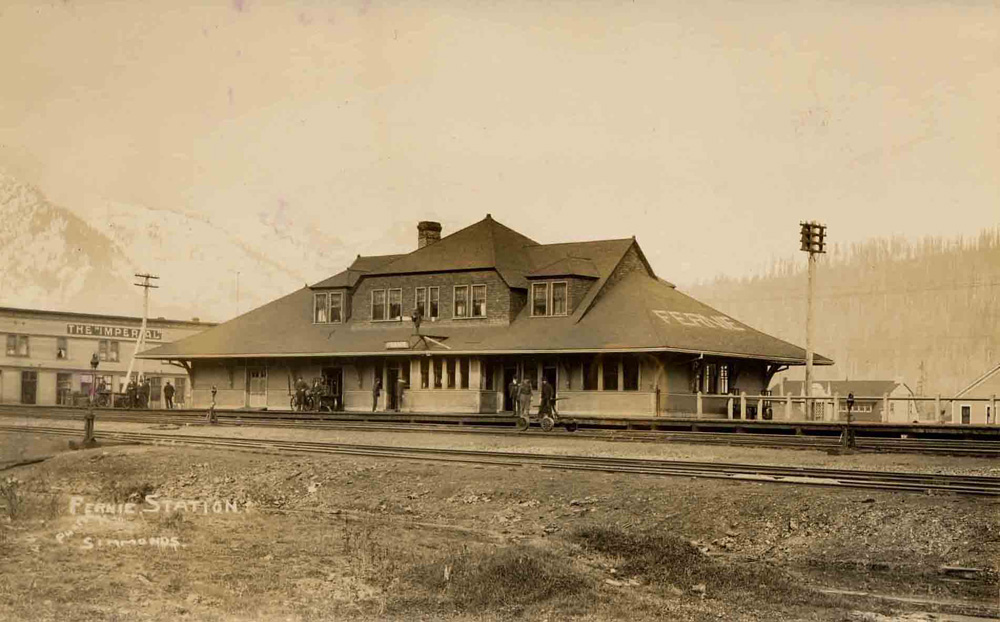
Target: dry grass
(670, 561)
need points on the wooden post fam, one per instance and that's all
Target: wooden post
(729, 407)
(836, 407)
(743, 404)
(993, 408)
(699, 406)
(788, 407)
(760, 408)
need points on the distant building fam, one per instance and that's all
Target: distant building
(47, 354)
(591, 318)
(869, 403)
(985, 388)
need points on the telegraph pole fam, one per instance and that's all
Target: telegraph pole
(813, 238)
(146, 285)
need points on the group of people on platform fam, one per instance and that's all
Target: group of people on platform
(519, 392)
(137, 393)
(310, 397)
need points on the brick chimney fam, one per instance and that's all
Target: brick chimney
(428, 232)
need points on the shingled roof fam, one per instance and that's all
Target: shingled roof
(638, 312)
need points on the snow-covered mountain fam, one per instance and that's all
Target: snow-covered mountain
(52, 258)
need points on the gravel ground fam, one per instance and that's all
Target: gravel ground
(570, 445)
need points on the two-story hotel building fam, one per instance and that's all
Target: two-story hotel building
(590, 317)
(47, 354)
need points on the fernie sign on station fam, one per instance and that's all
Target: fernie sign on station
(121, 332)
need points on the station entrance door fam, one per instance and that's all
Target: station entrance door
(257, 387)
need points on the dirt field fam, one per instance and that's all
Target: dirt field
(249, 536)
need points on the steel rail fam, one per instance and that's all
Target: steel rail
(926, 446)
(887, 480)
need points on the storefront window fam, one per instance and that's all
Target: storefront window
(437, 373)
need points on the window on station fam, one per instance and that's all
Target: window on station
(489, 370)
(478, 301)
(539, 299)
(62, 348)
(451, 373)
(433, 300)
(461, 301)
(590, 372)
(724, 378)
(610, 373)
(179, 390)
(378, 304)
(321, 308)
(630, 373)
(336, 307)
(437, 373)
(420, 301)
(395, 304)
(711, 379)
(463, 373)
(425, 372)
(559, 306)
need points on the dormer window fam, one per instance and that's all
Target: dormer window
(549, 299)
(321, 308)
(328, 307)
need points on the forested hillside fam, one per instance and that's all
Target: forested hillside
(925, 312)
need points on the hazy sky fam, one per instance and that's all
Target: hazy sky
(707, 129)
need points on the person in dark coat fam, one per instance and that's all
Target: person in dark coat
(376, 390)
(548, 398)
(168, 395)
(144, 396)
(512, 393)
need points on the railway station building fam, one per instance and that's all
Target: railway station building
(592, 318)
(47, 355)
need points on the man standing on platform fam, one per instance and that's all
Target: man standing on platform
(168, 395)
(376, 390)
(524, 395)
(513, 393)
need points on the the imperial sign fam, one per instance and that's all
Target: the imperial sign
(124, 332)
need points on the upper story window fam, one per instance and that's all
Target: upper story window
(62, 349)
(427, 300)
(387, 304)
(321, 308)
(336, 306)
(378, 304)
(328, 307)
(17, 345)
(395, 304)
(433, 302)
(549, 299)
(107, 350)
(478, 301)
(461, 301)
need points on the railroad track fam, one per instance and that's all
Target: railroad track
(316, 421)
(836, 478)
